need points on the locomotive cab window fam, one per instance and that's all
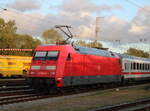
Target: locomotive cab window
(46, 55)
(40, 55)
(52, 55)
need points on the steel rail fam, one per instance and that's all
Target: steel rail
(139, 105)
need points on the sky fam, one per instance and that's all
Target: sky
(126, 21)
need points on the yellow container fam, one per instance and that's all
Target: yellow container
(11, 66)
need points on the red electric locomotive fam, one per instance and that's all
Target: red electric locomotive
(66, 65)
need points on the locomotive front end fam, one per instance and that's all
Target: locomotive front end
(47, 66)
(43, 68)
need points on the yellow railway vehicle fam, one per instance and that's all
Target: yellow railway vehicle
(14, 66)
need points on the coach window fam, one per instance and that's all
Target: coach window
(140, 66)
(134, 66)
(137, 66)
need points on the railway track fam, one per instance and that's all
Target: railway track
(140, 105)
(22, 98)
(12, 82)
(16, 90)
(22, 92)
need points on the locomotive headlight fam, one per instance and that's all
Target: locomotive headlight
(51, 67)
(32, 72)
(35, 67)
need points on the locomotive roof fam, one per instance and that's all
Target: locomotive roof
(85, 50)
(93, 51)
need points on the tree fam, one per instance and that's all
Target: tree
(52, 36)
(96, 44)
(137, 52)
(26, 42)
(81, 43)
(10, 39)
(7, 34)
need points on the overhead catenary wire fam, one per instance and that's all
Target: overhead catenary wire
(145, 10)
(138, 6)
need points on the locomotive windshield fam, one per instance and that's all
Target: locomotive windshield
(46, 55)
(52, 55)
(40, 54)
